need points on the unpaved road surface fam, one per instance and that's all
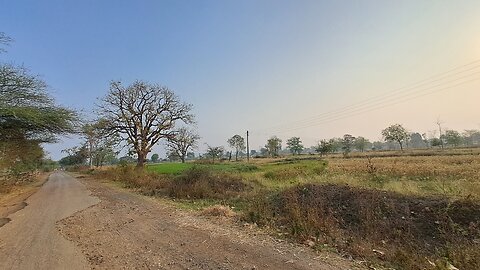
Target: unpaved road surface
(31, 241)
(125, 230)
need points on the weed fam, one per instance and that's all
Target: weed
(200, 183)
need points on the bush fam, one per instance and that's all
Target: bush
(204, 183)
(147, 183)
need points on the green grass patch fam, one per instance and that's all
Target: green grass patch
(178, 168)
(169, 168)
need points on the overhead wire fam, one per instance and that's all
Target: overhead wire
(395, 95)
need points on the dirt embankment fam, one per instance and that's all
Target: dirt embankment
(130, 231)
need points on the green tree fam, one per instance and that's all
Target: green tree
(471, 137)
(396, 133)
(435, 142)
(143, 114)
(155, 158)
(452, 137)
(75, 156)
(238, 143)
(29, 117)
(295, 146)
(361, 143)
(273, 146)
(324, 147)
(27, 111)
(215, 152)
(347, 144)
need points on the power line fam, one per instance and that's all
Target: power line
(365, 110)
(393, 99)
(399, 93)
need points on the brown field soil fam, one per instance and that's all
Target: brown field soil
(130, 231)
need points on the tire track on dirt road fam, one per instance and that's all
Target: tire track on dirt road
(32, 241)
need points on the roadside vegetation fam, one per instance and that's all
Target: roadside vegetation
(392, 210)
(29, 117)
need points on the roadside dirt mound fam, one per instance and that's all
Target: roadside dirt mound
(409, 232)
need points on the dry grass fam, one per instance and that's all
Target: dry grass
(218, 210)
(451, 176)
(204, 183)
(405, 231)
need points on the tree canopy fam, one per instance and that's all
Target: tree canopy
(396, 133)
(26, 109)
(273, 146)
(143, 113)
(181, 142)
(238, 143)
(295, 145)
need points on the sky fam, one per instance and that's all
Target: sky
(312, 69)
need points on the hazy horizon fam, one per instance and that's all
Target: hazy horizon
(284, 68)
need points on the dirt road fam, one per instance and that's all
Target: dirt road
(129, 231)
(31, 241)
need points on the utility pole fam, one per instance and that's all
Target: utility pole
(248, 149)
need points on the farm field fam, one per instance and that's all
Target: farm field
(391, 209)
(449, 174)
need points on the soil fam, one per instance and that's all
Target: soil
(129, 231)
(31, 241)
(14, 200)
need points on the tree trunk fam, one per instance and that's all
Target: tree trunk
(182, 158)
(236, 155)
(141, 159)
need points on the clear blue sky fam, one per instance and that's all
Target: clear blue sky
(256, 64)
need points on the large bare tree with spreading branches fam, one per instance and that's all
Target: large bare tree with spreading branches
(143, 114)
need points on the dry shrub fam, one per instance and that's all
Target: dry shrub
(204, 183)
(218, 210)
(405, 231)
(145, 182)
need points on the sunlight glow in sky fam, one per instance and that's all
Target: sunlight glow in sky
(257, 65)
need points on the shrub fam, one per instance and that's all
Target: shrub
(204, 183)
(147, 183)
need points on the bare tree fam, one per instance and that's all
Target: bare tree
(439, 124)
(183, 140)
(237, 142)
(143, 114)
(99, 144)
